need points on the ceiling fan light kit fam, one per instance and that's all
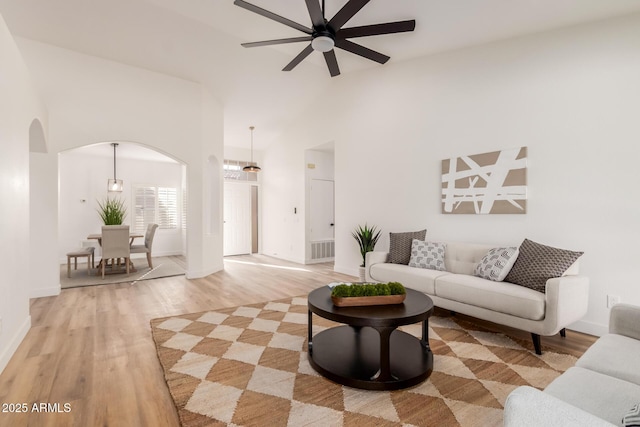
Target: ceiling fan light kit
(323, 43)
(325, 34)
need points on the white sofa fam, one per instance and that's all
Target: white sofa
(458, 290)
(602, 387)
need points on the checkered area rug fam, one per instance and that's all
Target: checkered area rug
(247, 366)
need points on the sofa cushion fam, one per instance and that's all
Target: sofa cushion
(529, 407)
(427, 255)
(496, 264)
(497, 296)
(606, 397)
(614, 355)
(538, 263)
(419, 279)
(462, 258)
(400, 245)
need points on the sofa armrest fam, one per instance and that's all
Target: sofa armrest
(625, 320)
(567, 300)
(371, 258)
(529, 407)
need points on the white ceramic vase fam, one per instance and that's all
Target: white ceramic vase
(361, 274)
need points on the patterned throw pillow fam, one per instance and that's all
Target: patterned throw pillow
(400, 245)
(496, 263)
(538, 263)
(427, 255)
(632, 418)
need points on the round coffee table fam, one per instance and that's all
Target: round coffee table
(368, 351)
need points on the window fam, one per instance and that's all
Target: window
(157, 205)
(233, 171)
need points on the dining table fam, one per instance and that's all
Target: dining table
(98, 237)
(113, 270)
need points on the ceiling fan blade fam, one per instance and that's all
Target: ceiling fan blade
(362, 51)
(278, 41)
(348, 10)
(260, 11)
(291, 65)
(332, 63)
(377, 29)
(315, 13)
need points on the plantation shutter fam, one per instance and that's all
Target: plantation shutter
(167, 208)
(145, 207)
(155, 205)
(184, 208)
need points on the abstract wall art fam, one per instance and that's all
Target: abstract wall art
(488, 183)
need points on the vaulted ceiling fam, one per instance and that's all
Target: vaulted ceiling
(199, 40)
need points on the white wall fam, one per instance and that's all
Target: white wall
(19, 106)
(83, 179)
(43, 193)
(572, 96)
(243, 154)
(94, 100)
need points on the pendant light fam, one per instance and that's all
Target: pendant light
(252, 167)
(114, 185)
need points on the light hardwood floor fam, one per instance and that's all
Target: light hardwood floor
(91, 347)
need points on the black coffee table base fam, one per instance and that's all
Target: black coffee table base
(352, 356)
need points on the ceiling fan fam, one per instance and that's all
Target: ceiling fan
(325, 34)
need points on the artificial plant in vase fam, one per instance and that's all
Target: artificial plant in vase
(367, 237)
(112, 211)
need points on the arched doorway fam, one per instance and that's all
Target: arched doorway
(154, 191)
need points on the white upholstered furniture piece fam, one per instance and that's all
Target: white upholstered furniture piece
(148, 243)
(458, 290)
(599, 390)
(115, 244)
(87, 252)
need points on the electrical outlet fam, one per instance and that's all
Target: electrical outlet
(612, 300)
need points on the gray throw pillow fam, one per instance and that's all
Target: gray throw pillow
(496, 264)
(538, 263)
(400, 245)
(428, 255)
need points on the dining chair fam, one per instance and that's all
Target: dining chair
(115, 244)
(148, 242)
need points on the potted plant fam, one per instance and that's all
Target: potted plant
(358, 294)
(112, 211)
(367, 237)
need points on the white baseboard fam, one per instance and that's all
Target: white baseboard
(159, 254)
(290, 259)
(590, 328)
(196, 274)
(318, 261)
(45, 292)
(351, 271)
(7, 353)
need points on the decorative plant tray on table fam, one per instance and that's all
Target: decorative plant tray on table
(362, 294)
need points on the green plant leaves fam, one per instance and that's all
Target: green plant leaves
(368, 290)
(367, 237)
(112, 211)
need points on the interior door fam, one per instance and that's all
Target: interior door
(322, 210)
(237, 219)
